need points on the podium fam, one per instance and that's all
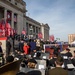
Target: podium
(11, 68)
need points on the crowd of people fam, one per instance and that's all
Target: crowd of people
(30, 54)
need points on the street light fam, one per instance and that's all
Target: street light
(31, 32)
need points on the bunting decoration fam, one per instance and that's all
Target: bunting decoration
(51, 38)
(24, 31)
(5, 29)
(40, 36)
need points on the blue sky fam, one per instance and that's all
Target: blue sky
(59, 14)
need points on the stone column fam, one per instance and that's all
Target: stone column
(35, 32)
(5, 14)
(28, 29)
(12, 20)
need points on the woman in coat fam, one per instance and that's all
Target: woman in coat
(25, 48)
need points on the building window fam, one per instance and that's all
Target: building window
(15, 25)
(15, 3)
(39, 30)
(15, 17)
(36, 36)
(36, 30)
(27, 28)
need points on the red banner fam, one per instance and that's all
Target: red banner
(12, 31)
(2, 27)
(5, 29)
(51, 38)
(24, 32)
(40, 35)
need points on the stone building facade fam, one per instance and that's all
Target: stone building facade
(11, 10)
(45, 31)
(36, 27)
(15, 12)
(71, 38)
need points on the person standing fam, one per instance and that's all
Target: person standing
(21, 44)
(58, 70)
(32, 45)
(8, 45)
(73, 58)
(25, 48)
(1, 52)
(1, 55)
(68, 53)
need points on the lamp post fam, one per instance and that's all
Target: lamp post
(31, 32)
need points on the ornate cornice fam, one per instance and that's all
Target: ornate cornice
(45, 25)
(21, 1)
(32, 20)
(14, 6)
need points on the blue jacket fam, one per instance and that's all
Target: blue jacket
(32, 46)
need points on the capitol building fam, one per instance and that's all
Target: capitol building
(15, 12)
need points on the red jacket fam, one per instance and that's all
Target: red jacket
(25, 48)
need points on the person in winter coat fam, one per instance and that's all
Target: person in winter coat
(25, 48)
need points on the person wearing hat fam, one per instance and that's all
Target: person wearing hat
(68, 53)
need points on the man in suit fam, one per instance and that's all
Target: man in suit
(8, 46)
(52, 61)
(58, 70)
(68, 53)
(21, 44)
(34, 72)
(32, 45)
